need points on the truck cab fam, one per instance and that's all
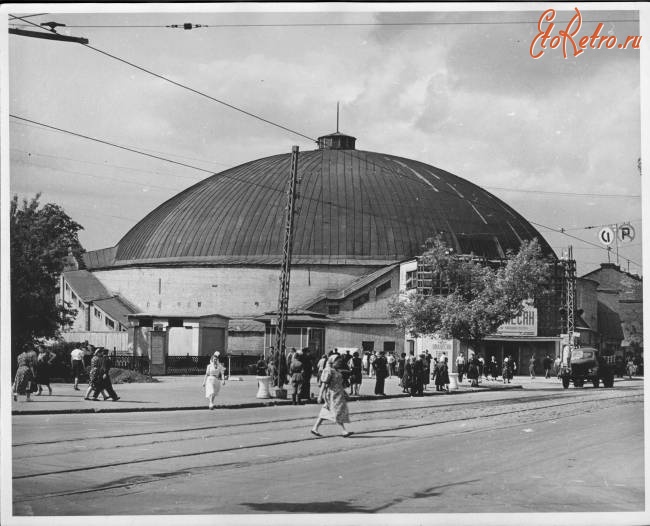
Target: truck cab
(586, 364)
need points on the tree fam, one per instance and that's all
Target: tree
(472, 297)
(41, 239)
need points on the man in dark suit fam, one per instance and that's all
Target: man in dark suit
(380, 366)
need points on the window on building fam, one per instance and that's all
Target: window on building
(110, 323)
(73, 295)
(81, 303)
(360, 300)
(389, 346)
(381, 288)
(97, 313)
(368, 346)
(411, 279)
(333, 308)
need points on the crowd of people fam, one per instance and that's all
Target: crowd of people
(35, 365)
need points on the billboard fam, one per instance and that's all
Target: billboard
(523, 325)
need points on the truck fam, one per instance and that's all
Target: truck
(586, 364)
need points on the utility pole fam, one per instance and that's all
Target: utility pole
(285, 274)
(570, 277)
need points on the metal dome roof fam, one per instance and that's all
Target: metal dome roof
(355, 207)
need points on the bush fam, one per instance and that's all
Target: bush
(124, 376)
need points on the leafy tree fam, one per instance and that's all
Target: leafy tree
(472, 297)
(40, 239)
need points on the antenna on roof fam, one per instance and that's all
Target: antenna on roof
(337, 116)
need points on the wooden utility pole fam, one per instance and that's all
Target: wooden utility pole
(285, 274)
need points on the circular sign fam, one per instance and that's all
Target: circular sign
(625, 233)
(606, 236)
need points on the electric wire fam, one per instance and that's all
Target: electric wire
(197, 92)
(337, 24)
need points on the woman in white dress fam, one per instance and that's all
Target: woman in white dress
(214, 374)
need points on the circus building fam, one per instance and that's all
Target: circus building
(215, 249)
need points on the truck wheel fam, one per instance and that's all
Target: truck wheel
(565, 382)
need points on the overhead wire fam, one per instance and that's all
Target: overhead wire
(237, 109)
(197, 92)
(338, 24)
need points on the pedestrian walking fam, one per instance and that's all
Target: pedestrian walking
(105, 383)
(371, 366)
(391, 365)
(473, 371)
(305, 388)
(494, 368)
(213, 380)
(290, 356)
(43, 369)
(296, 373)
(460, 366)
(333, 397)
(409, 372)
(94, 378)
(548, 363)
(356, 374)
(365, 362)
(401, 364)
(24, 378)
(426, 374)
(320, 366)
(505, 372)
(380, 366)
(419, 372)
(531, 366)
(630, 367)
(77, 356)
(442, 375)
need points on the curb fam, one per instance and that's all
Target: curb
(248, 405)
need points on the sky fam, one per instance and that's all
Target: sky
(558, 139)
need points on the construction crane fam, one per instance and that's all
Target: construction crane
(285, 274)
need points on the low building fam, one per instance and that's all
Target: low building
(619, 309)
(101, 316)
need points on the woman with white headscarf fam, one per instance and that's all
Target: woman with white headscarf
(333, 397)
(213, 374)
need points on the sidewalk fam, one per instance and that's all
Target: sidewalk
(186, 392)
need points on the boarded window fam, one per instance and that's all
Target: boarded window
(110, 323)
(333, 308)
(389, 346)
(383, 287)
(360, 300)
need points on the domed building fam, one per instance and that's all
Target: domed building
(217, 246)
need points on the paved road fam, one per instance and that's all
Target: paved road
(523, 451)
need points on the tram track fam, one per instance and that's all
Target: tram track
(443, 407)
(510, 412)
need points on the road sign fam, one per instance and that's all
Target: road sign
(626, 233)
(606, 236)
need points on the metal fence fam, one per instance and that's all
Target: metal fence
(131, 363)
(187, 364)
(235, 364)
